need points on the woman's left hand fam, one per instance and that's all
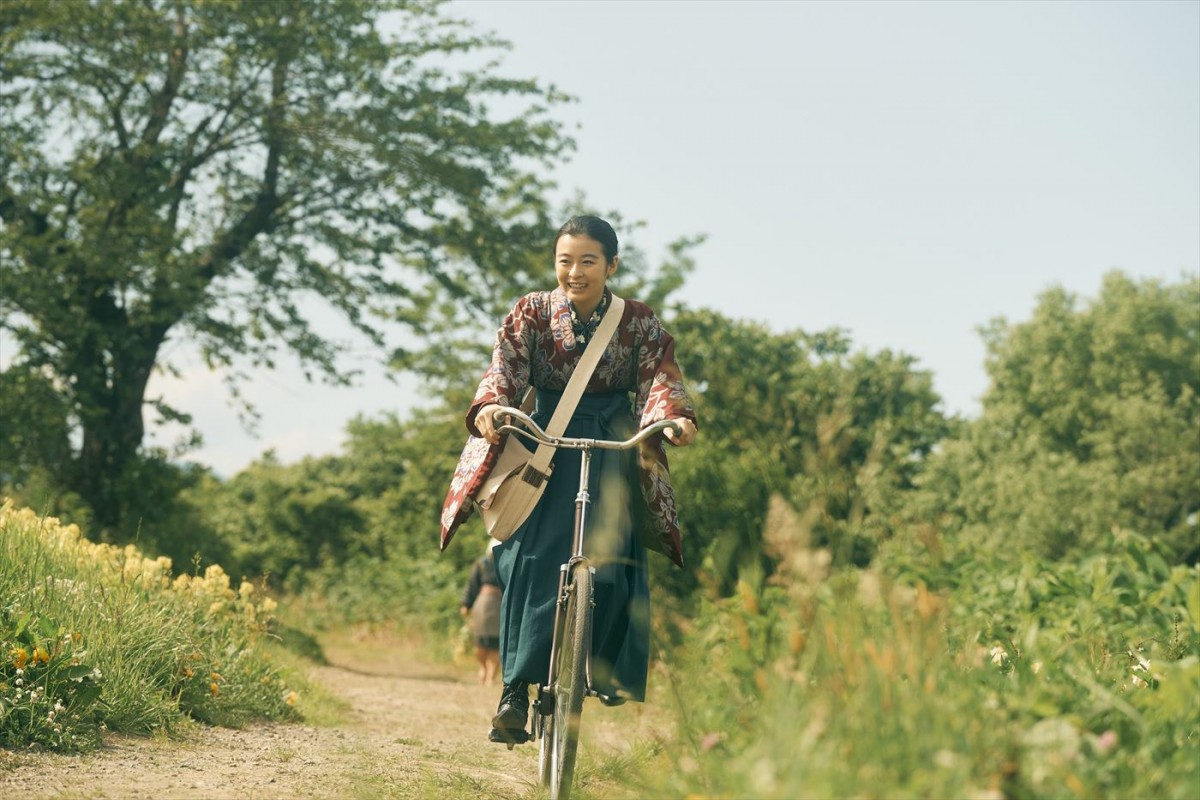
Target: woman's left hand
(687, 434)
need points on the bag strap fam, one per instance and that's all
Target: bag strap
(579, 380)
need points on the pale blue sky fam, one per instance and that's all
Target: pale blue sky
(906, 171)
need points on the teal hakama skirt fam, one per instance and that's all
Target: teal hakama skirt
(528, 563)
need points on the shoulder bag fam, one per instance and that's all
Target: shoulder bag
(518, 478)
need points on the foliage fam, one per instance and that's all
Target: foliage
(351, 537)
(1026, 678)
(156, 648)
(48, 694)
(1090, 423)
(216, 171)
(839, 434)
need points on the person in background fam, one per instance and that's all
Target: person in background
(481, 604)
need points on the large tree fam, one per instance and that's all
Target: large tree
(201, 171)
(1089, 425)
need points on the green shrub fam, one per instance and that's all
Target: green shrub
(1018, 678)
(167, 647)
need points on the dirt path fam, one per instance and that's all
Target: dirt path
(413, 730)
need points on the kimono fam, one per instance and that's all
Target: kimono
(536, 346)
(635, 384)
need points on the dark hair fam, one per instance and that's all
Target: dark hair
(593, 227)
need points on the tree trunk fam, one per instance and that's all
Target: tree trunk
(112, 433)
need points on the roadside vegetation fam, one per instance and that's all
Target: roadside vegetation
(98, 637)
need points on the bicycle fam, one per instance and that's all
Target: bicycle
(558, 708)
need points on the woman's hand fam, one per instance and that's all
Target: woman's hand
(486, 425)
(687, 434)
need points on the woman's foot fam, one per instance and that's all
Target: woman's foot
(513, 711)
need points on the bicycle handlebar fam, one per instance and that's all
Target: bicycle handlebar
(534, 432)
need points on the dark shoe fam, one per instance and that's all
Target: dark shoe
(513, 712)
(611, 700)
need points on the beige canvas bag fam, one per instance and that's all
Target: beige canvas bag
(518, 478)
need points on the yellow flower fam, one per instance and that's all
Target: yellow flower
(19, 657)
(216, 690)
(187, 672)
(216, 676)
(40, 655)
(291, 698)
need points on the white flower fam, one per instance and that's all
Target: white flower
(998, 654)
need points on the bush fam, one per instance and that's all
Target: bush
(1023, 678)
(119, 642)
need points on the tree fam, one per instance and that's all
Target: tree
(1089, 424)
(173, 170)
(838, 435)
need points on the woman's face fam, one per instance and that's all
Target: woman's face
(581, 270)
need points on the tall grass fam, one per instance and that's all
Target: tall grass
(94, 636)
(943, 676)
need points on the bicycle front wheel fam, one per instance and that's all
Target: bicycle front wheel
(571, 683)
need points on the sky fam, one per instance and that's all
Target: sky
(904, 171)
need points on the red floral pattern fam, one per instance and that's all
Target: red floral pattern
(536, 344)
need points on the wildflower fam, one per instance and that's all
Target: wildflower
(291, 698)
(187, 672)
(214, 689)
(19, 658)
(999, 655)
(40, 656)
(216, 676)
(1105, 742)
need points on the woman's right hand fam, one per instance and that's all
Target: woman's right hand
(485, 423)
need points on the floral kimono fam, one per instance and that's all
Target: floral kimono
(536, 346)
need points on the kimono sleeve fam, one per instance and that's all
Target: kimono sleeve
(507, 377)
(660, 392)
(660, 395)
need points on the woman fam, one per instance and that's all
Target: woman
(481, 605)
(539, 344)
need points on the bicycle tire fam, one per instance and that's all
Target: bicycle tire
(571, 683)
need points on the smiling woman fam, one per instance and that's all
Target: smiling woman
(635, 384)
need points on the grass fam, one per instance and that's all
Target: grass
(96, 637)
(1021, 679)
